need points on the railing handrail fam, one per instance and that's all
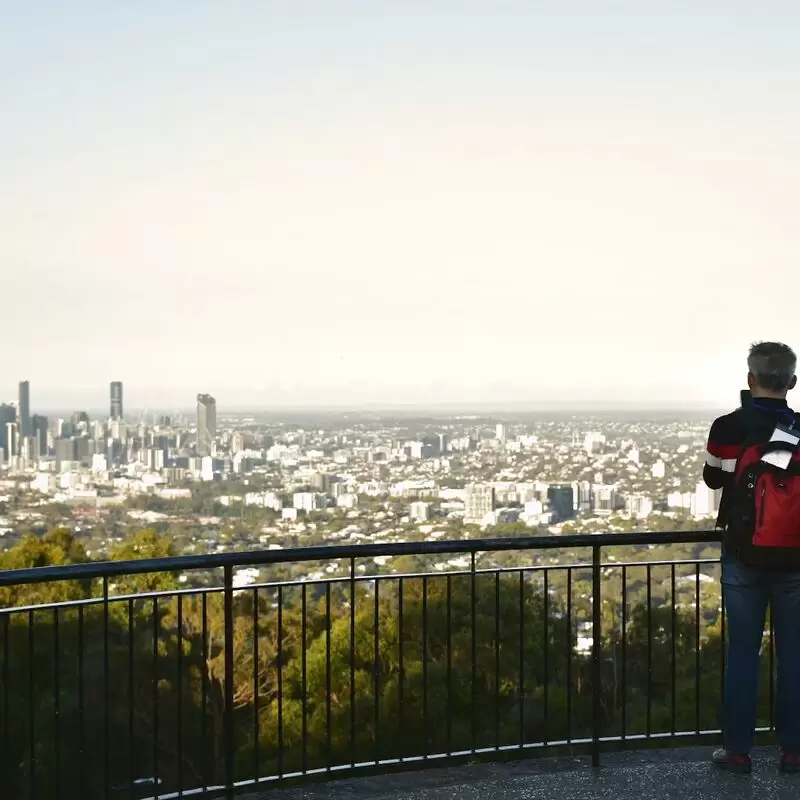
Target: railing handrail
(110, 569)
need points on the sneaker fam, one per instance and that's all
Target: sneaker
(732, 762)
(790, 762)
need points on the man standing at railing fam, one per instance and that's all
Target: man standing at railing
(753, 457)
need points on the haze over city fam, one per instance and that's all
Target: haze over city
(372, 204)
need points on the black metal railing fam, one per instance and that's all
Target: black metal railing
(183, 676)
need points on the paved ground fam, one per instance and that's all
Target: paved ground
(684, 773)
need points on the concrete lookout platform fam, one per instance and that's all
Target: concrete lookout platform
(680, 773)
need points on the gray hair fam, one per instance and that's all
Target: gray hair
(773, 365)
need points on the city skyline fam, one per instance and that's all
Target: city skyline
(545, 471)
(396, 204)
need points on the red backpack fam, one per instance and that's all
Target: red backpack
(764, 523)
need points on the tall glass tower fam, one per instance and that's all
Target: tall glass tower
(116, 400)
(206, 423)
(24, 410)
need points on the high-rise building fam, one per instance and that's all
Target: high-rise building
(413, 449)
(705, 501)
(40, 425)
(28, 449)
(84, 449)
(12, 440)
(116, 400)
(24, 409)
(98, 430)
(80, 421)
(206, 423)
(66, 452)
(7, 414)
(152, 458)
(638, 505)
(308, 501)
(478, 502)
(562, 501)
(119, 431)
(604, 497)
(431, 447)
(321, 482)
(207, 469)
(583, 495)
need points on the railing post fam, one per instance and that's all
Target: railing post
(597, 673)
(106, 703)
(230, 754)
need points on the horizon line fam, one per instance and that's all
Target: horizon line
(460, 408)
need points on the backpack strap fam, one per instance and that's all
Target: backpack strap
(771, 447)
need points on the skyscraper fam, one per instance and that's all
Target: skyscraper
(24, 409)
(119, 431)
(66, 451)
(40, 425)
(12, 439)
(116, 400)
(7, 414)
(206, 423)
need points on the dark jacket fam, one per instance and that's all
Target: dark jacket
(756, 420)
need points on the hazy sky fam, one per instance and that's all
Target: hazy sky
(371, 202)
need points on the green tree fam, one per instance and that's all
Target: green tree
(144, 544)
(56, 548)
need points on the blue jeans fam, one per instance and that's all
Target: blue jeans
(748, 592)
